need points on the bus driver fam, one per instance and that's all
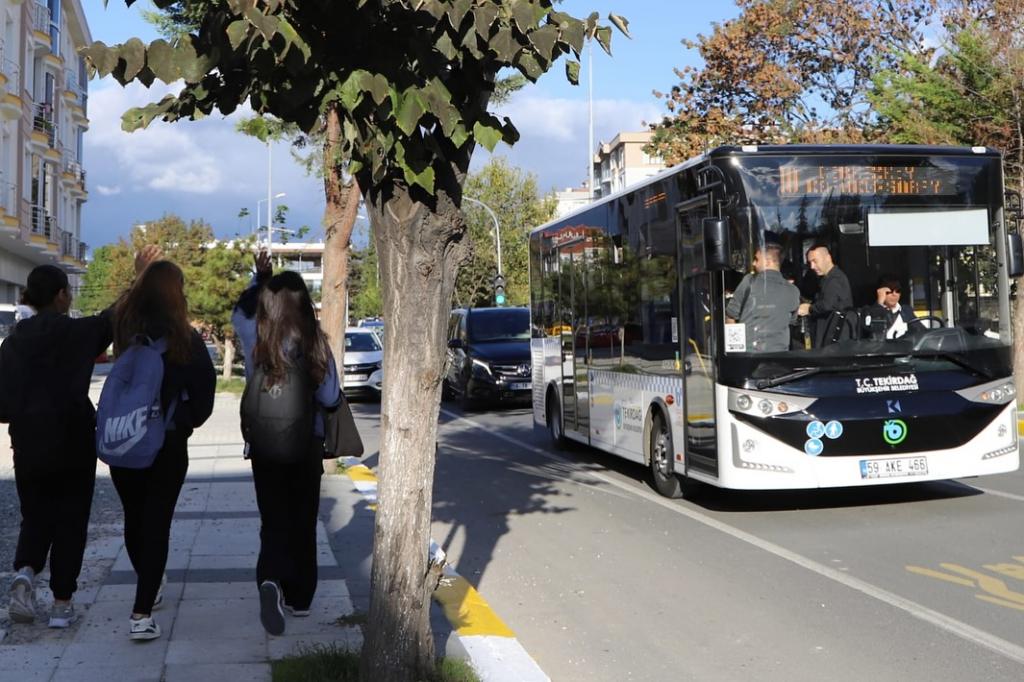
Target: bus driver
(765, 303)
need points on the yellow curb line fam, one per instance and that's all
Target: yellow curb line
(466, 610)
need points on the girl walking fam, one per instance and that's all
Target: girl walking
(46, 367)
(156, 308)
(285, 350)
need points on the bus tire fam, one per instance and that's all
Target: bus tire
(663, 475)
(554, 421)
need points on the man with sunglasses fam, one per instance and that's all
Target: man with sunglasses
(886, 318)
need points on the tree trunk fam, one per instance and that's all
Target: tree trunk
(419, 253)
(228, 356)
(339, 219)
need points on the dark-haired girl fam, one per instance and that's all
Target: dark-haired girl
(46, 367)
(156, 308)
(277, 325)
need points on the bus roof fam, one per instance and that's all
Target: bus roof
(769, 149)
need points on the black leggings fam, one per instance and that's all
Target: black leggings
(149, 497)
(55, 510)
(288, 496)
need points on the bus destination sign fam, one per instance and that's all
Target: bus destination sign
(801, 180)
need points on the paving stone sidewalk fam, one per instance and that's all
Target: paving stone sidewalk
(210, 616)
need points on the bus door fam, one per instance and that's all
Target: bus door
(696, 339)
(574, 334)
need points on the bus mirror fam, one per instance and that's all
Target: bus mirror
(716, 244)
(1014, 256)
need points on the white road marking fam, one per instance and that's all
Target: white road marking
(951, 625)
(998, 493)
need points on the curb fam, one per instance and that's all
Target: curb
(494, 651)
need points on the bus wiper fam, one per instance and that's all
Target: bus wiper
(954, 358)
(811, 371)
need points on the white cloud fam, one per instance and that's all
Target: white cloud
(108, 191)
(553, 134)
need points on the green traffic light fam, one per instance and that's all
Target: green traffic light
(500, 299)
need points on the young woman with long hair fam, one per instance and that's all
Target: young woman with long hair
(46, 367)
(276, 322)
(156, 308)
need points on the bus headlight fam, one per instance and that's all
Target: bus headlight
(995, 392)
(744, 402)
(761, 404)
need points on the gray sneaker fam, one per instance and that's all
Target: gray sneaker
(62, 616)
(22, 608)
(159, 601)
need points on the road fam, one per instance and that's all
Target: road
(601, 579)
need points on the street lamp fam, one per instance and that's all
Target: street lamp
(269, 217)
(497, 234)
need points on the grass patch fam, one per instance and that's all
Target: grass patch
(331, 663)
(342, 468)
(233, 385)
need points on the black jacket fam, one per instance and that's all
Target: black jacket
(834, 296)
(46, 368)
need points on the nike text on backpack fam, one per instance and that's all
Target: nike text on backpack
(277, 421)
(130, 423)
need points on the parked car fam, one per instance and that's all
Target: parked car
(489, 356)
(364, 356)
(8, 318)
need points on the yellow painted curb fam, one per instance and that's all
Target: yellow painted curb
(361, 473)
(467, 611)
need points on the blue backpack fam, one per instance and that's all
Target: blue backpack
(130, 424)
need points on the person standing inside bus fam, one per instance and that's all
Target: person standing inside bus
(765, 303)
(834, 294)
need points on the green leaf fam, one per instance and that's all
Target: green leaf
(133, 53)
(529, 66)
(484, 17)
(621, 23)
(160, 60)
(102, 58)
(424, 178)
(543, 40)
(237, 32)
(572, 71)
(409, 112)
(604, 37)
(523, 13)
(444, 46)
(503, 44)
(291, 37)
(486, 135)
(574, 33)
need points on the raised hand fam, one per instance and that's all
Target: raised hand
(149, 254)
(264, 266)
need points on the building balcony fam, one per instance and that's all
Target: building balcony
(44, 129)
(10, 224)
(41, 28)
(75, 97)
(83, 250)
(44, 229)
(10, 94)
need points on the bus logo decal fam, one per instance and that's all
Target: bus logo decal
(813, 447)
(815, 430)
(894, 431)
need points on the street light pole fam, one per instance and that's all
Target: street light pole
(497, 234)
(269, 225)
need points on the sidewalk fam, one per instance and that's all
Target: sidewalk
(210, 615)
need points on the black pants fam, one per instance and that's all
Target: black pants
(55, 510)
(288, 496)
(149, 497)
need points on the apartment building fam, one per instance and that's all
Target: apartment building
(43, 117)
(623, 162)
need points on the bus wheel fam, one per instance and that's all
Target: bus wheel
(554, 419)
(666, 482)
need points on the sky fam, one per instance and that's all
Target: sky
(205, 170)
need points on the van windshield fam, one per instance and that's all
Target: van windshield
(501, 325)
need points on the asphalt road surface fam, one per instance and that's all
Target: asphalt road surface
(602, 579)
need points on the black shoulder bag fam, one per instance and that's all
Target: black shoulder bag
(341, 437)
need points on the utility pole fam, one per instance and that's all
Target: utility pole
(590, 115)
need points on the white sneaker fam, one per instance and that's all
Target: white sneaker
(143, 629)
(271, 613)
(22, 608)
(62, 616)
(296, 613)
(159, 601)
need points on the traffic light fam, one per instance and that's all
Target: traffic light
(499, 289)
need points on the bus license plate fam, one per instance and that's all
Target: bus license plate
(524, 386)
(893, 468)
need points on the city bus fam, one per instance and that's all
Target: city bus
(632, 352)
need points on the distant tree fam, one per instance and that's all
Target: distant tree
(222, 275)
(365, 289)
(787, 71)
(513, 196)
(110, 270)
(404, 89)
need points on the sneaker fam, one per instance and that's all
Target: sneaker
(296, 613)
(63, 615)
(271, 613)
(158, 602)
(143, 628)
(22, 608)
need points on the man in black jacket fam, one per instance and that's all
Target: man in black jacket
(834, 294)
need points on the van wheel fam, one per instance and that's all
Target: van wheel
(554, 419)
(666, 482)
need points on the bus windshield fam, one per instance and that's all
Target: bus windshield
(889, 259)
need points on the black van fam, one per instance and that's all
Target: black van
(488, 356)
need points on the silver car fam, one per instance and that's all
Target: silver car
(364, 356)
